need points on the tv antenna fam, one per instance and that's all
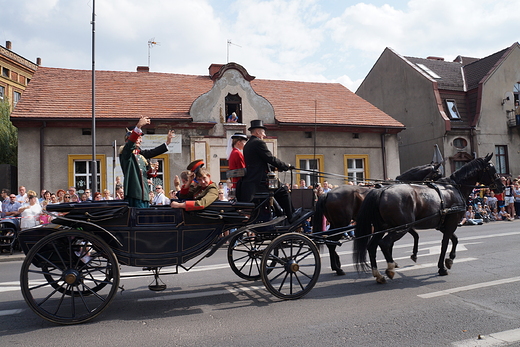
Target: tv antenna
(151, 43)
(229, 43)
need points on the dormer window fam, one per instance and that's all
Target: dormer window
(452, 109)
(233, 105)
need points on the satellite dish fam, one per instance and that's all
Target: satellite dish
(509, 99)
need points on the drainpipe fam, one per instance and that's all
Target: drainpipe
(472, 146)
(42, 154)
(383, 154)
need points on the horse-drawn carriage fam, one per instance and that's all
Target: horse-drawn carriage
(71, 271)
(72, 267)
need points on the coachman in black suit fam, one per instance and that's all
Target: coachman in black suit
(258, 160)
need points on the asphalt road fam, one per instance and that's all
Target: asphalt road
(211, 306)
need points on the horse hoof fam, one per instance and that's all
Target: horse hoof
(396, 265)
(414, 258)
(340, 272)
(448, 263)
(390, 274)
(381, 280)
(443, 272)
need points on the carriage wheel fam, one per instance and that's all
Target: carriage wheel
(290, 266)
(244, 254)
(69, 277)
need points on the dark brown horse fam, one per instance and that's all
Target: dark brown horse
(341, 205)
(395, 209)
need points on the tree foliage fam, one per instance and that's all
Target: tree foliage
(8, 136)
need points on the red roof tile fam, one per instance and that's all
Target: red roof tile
(65, 93)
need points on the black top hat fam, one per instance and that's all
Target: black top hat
(239, 136)
(257, 123)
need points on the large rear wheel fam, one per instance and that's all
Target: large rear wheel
(290, 266)
(69, 277)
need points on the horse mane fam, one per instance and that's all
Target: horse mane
(417, 173)
(468, 170)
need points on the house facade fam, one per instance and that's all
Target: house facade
(465, 107)
(321, 126)
(16, 73)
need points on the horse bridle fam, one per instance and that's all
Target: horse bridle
(493, 177)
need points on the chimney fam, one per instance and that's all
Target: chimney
(435, 58)
(39, 61)
(8, 45)
(143, 69)
(214, 68)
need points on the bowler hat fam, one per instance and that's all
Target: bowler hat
(257, 123)
(239, 136)
(195, 165)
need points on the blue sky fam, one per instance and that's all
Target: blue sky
(303, 40)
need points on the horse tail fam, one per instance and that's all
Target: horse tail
(317, 218)
(368, 212)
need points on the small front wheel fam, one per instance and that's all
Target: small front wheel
(290, 266)
(69, 277)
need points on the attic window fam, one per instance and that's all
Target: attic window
(452, 109)
(428, 71)
(234, 104)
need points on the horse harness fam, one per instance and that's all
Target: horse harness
(445, 211)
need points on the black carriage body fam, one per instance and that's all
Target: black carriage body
(153, 237)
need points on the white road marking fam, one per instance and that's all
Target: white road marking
(427, 265)
(10, 312)
(502, 338)
(469, 287)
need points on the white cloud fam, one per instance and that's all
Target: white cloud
(308, 40)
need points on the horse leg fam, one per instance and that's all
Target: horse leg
(415, 244)
(335, 263)
(444, 247)
(372, 249)
(449, 261)
(387, 245)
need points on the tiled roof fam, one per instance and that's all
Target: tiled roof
(323, 103)
(64, 93)
(477, 70)
(450, 72)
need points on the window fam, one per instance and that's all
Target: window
(501, 164)
(5, 72)
(16, 98)
(2, 92)
(234, 104)
(224, 167)
(356, 168)
(159, 179)
(516, 91)
(309, 162)
(452, 109)
(460, 143)
(80, 175)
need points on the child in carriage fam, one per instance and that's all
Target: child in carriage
(197, 196)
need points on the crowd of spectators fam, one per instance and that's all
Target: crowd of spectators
(486, 206)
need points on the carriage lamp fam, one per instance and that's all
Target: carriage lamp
(272, 181)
